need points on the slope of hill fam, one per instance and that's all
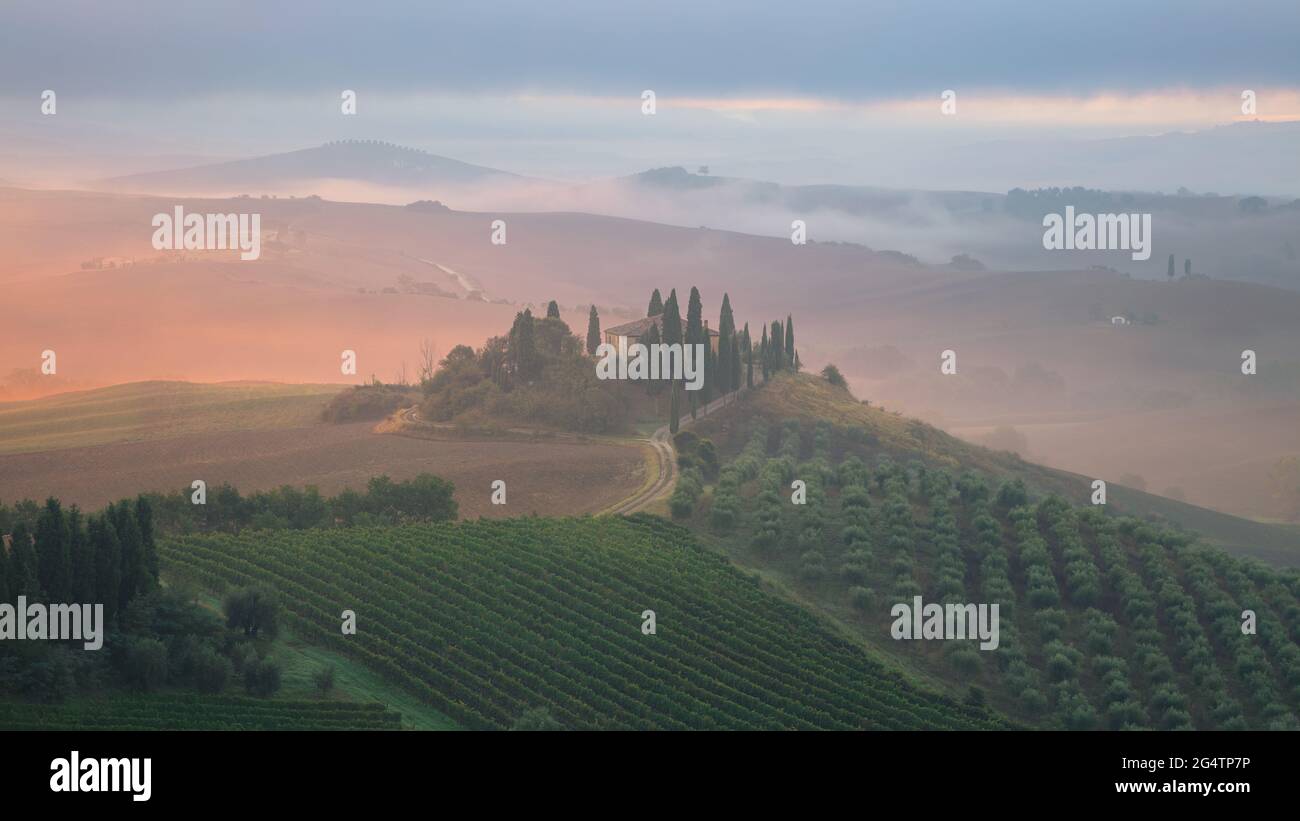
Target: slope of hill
(367, 161)
(489, 621)
(1107, 620)
(809, 400)
(149, 411)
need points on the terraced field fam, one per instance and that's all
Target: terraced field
(488, 620)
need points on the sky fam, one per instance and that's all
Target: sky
(796, 92)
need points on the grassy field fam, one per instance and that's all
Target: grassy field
(150, 411)
(353, 682)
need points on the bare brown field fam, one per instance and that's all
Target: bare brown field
(552, 479)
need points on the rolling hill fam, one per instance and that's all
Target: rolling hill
(1115, 616)
(491, 621)
(365, 161)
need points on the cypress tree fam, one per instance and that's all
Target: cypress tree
(656, 304)
(763, 359)
(144, 519)
(776, 347)
(673, 410)
(593, 331)
(53, 558)
(82, 554)
(5, 595)
(789, 339)
(749, 359)
(108, 561)
(552, 310)
(695, 334)
(653, 386)
(132, 553)
(672, 321)
(523, 350)
(672, 335)
(727, 376)
(710, 374)
(23, 580)
(722, 369)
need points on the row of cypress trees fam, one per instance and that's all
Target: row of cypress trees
(723, 371)
(107, 558)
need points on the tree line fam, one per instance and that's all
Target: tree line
(59, 555)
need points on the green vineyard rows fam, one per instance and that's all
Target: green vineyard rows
(487, 620)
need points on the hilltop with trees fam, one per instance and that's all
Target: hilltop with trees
(541, 374)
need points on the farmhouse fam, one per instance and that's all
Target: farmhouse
(631, 332)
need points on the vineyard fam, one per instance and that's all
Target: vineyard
(1106, 622)
(193, 712)
(489, 620)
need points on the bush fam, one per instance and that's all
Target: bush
(862, 598)
(262, 678)
(367, 402)
(146, 664)
(253, 610)
(209, 670)
(323, 678)
(537, 719)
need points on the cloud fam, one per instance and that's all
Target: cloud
(825, 49)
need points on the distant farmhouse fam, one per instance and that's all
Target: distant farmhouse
(633, 331)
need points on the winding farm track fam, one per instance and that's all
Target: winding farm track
(660, 443)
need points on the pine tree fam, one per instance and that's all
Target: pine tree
(23, 580)
(108, 561)
(553, 310)
(656, 304)
(593, 331)
(53, 559)
(789, 339)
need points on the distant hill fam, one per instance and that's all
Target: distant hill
(368, 161)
